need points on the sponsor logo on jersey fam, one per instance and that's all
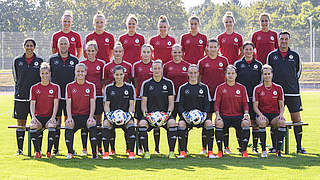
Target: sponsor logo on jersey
(51, 91)
(200, 91)
(262, 93)
(170, 68)
(71, 63)
(74, 90)
(124, 70)
(38, 91)
(151, 88)
(275, 57)
(207, 65)
(184, 68)
(126, 92)
(125, 41)
(164, 87)
(137, 41)
(255, 66)
(112, 93)
(291, 57)
(106, 40)
(36, 63)
(236, 40)
(157, 43)
(187, 91)
(150, 69)
(98, 68)
(259, 38)
(272, 38)
(20, 64)
(169, 43)
(73, 39)
(275, 92)
(56, 62)
(200, 41)
(238, 91)
(188, 41)
(220, 64)
(224, 91)
(88, 91)
(223, 40)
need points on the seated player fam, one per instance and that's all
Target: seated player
(231, 108)
(119, 105)
(157, 98)
(268, 103)
(194, 96)
(81, 103)
(44, 98)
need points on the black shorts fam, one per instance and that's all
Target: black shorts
(251, 111)
(21, 109)
(62, 106)
(270, 116)
(293, 103)
(80, 122)
(99, 106)
(43, 120)
(152, 127)
(138, 112)
(211, 107)
(234, 121)
(175, 110)
(190, 126)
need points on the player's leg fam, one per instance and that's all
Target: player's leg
(182, 128)
(172, 136)
(21, 111)
(92, 128)
(280, 133)
(245, 125)
(156, 136)
(131, 135)
(262, 123)
(138, 115)
(51, 126)
(220, 124)
(98, 116)
(210, 136)
(61, 108)
(143, 135)
(70, 127)
(35, 127)
(106, 134)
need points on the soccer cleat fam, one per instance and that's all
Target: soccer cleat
(55, 152)
(100, 152)
(264, 154)
(182, 155)
(245, 154)
(219, 155)
(113, 152)
(227, 150)
(19, 152)
(128, 151)
(48, 155)
(156, 152)
(69, 156)
(255, 150)
(106, 155)
(140, 151)
(94, 156)
(84, 152)
(302, 151)
(147, 155)
(37, 155)
(171, 155)
(203, 151)
(278, 154)
(272, 150)
(131, 155)
(211, 155)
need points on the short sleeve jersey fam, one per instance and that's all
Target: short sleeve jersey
(231, 100)
(230, 45)
(105, 42)
(132, 47)
(140, 73)
(80, 95)
(193, 47)
(44, 97)
(265, 42)
(94, 74)
(268, 98)
(108, 71)
(119, 97)
(74, 40)
(162, 47)
(212, 72)
(157, 94)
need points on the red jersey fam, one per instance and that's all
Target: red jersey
(74, 40)
(108, 71)
(231, 100)
(80, 95)
(268, 98)
(265, 42)
(105, 42)
(212, 72)
(132, 47)
(140, 73)
(44, 97)
(162, 47)
(94, 74)
(230, 45)
(176, 72)
(193, 47)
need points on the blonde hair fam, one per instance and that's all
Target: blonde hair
(45, 66)
(228, 14)
(163, 19)
(158, 61)
(118, 44)
(230, 66)
(266, 66)
(132, 16)
(67, 13)
(176, 46)
(148, 46)
(98, 15)
(193, 66)
(81, 65)
(264, 14)
(92, 43)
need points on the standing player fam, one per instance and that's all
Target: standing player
(193, 43)
(104, 39)
(249, 75)
(157, 95)
(287, 70)
(25, 74)
(268, 104)
(62, 67)
(74, 38)
(81, 100)
(194, 95)
(119, 95)
(163, 42)
(94, 75)
(230, 42)
(231, 108)
(44, 101)
(141, 71)
(211, 66)
(132, 41)
(265, 40)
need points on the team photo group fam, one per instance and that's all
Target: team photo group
(141, 85)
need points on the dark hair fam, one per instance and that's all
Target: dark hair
(31, 40)
(163, 19)
(248, 43)
(193, 17)
(118, 67)
(284, 32)
(212, 40)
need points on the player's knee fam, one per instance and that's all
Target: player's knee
(208, 123)
(219, 124)
(143, 123)
(171, 123)
(281, 123)
(91, 123)
(182, 124)
(245, 123)
(262, 123)
(69, 124)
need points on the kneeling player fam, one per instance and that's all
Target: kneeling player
(231, 108)
(81, 103)
(44, 97)
(194, 104)
(269, 106)
(119, 104)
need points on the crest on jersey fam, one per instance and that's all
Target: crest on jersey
(223, 40)
(220, 64)
(262, 93)
(255, 66)
(87, 90)
(200, 91)
(137, 41)
(73, 39)
(259, 38)
(56, 62)
(126, 92)
(169, 43)
(238, 91)
(71, 63)
(74, 90)
(187, 91)
(200, 41)
(106, 40)
(20, 64)
(151, 88)
(184, 68)
(150, 69)
(236, 40)
(112, 93)
(36, 63)
(275, 92)
(50, 91)
(272, 38)
(124, 70)
(275, 57)
(164, 87)
(98, 68)
(290, 57)
(188, 41)
(38, 91)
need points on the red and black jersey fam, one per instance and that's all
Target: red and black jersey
(231, 100)
(108, 71)
(212, 72)
(94, 74)
(80, 95)
(230, 45)
(25, 75)
(176, 72)
(268, 98)
(162, 47)
(193, 47)
(62, 71)
(44, 97)
(105, 42)
(132, 47)
(74, 41)
(140, 73)
(265, 42)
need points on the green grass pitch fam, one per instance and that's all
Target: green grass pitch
(195, 166)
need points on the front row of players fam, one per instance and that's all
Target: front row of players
(157, 110)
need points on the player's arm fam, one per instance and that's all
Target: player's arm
(144, 104)
(33, 110)
(207, 100)
(281, 108)
(245, 101)
(131, 106)
(68, 107)
(79, 52)
(107, 106)
(241, 52)
(171, 103)
(217, 101)
(92, 107)
(180, 101)
(55, 108)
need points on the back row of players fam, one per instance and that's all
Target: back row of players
(194, 46)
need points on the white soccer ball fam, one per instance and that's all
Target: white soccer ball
(195, 117)
(119, 117)
(157, 118)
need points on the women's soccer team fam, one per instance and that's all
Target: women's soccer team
(140, 87)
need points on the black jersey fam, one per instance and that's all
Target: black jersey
(62, 72)
(286, 71)
(25, 75)
(157, 94)
(192, 97)
(119, 97)
(248, 74)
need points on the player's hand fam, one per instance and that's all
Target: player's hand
(246, 117)
(91, 120)
(280, 117)
(262, 118)
(218, 118)
(34, 120)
